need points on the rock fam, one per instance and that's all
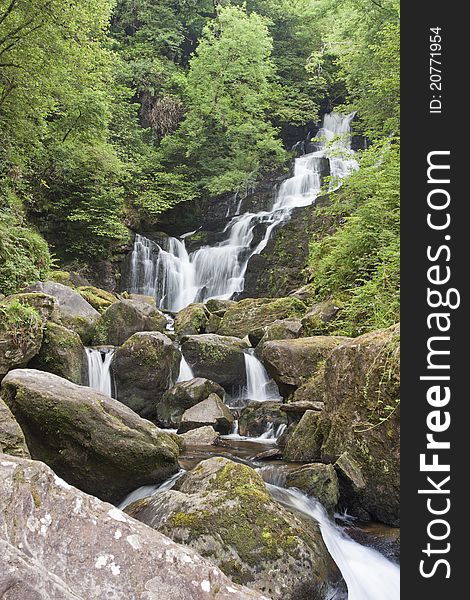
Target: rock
(319, 318)
(44, 304)
(213, 323)
(215, 357)
(224, 511)
(87, 549)
(75, 312)
(11, 437)
(211, 411)
(98, 298)
(296, 410)
(61, 353)
(256, 417)
(184, 395)
(89, 439)
(382, 538)
(218, 307)
(286, 329)
(256, 335)
(318, 481)
(292, 362)
(359, 425)
(145, 367)
(202, 436)
(70, 278)
(273, 453)
(21, 334)
(192, 320)
(254, 313)
(304, 445)
(306, 293)
(126, 317)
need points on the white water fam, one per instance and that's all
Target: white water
(269, 436)
(149, 490)
(186, 372)
(259, 386)
(367, 573)
(177, 278)
(99, 363)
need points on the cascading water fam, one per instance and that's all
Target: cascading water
(259, 386)
(367, 573)
(99, 364)
(148, 490)
(186, 372)
(177, 278)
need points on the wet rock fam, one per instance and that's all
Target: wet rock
(211, 411)
(254, 313)
(89, 439)
(11, 437)
(292, 362)
(87, 549)
(304, 444)
(318, 481)
(201, 436)
(382, 538)
(296, 410)
(125, 318)
(215, 357)
(192, 320)
(273, 453)
(359, 426)
(61, 353)
(257, 417)
(75, 312)
(319, 318)
(145, 367)
(223, 510)
(184, 395)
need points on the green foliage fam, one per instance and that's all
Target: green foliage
(360, 262)
(19, 322)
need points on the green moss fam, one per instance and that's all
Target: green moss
(99, 299)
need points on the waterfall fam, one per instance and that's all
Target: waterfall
(149, 490)
(186, 372)
(99, 363)
(177, 278)
(367, 573)
(259, 386)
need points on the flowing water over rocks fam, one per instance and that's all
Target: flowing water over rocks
(99, 365)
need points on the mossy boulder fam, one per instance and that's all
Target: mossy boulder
(98, 298)
(70, 278)
(218, 307)
(45, 305)
(192, 320)
(144, 368)
(223, 510)
(126, 317)
(61, 353)
(292, 362)
(318, 481)
(61, 544)
(285, 329)
(74, 311)
(257, 417)
(304, 445)
(215, 357)
(184, 395)
(211, 411)
(320, 318)
(90, 440)
(359, 426)
(21, 334)
(11, 436)
(254, 313)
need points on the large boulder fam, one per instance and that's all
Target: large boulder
(292, 362)
(320, 317)
(250, 314)
(57, 543)
(259, 417)
(11, 437)
(285, 329)
(61, 353)
(74, 311)
(202, 436)
(215, 357)
(211, 411)
(89, 439)
(144, 368)
(304, 445)
(192, 320)
(223, 510)
(21, 334)
(126, 317)
(318, 481)
(184, 395)
(98, 298)
(359, 426)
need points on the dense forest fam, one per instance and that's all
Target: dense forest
(113, 112)
(199, 300)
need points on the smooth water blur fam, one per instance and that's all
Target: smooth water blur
(99, 363)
